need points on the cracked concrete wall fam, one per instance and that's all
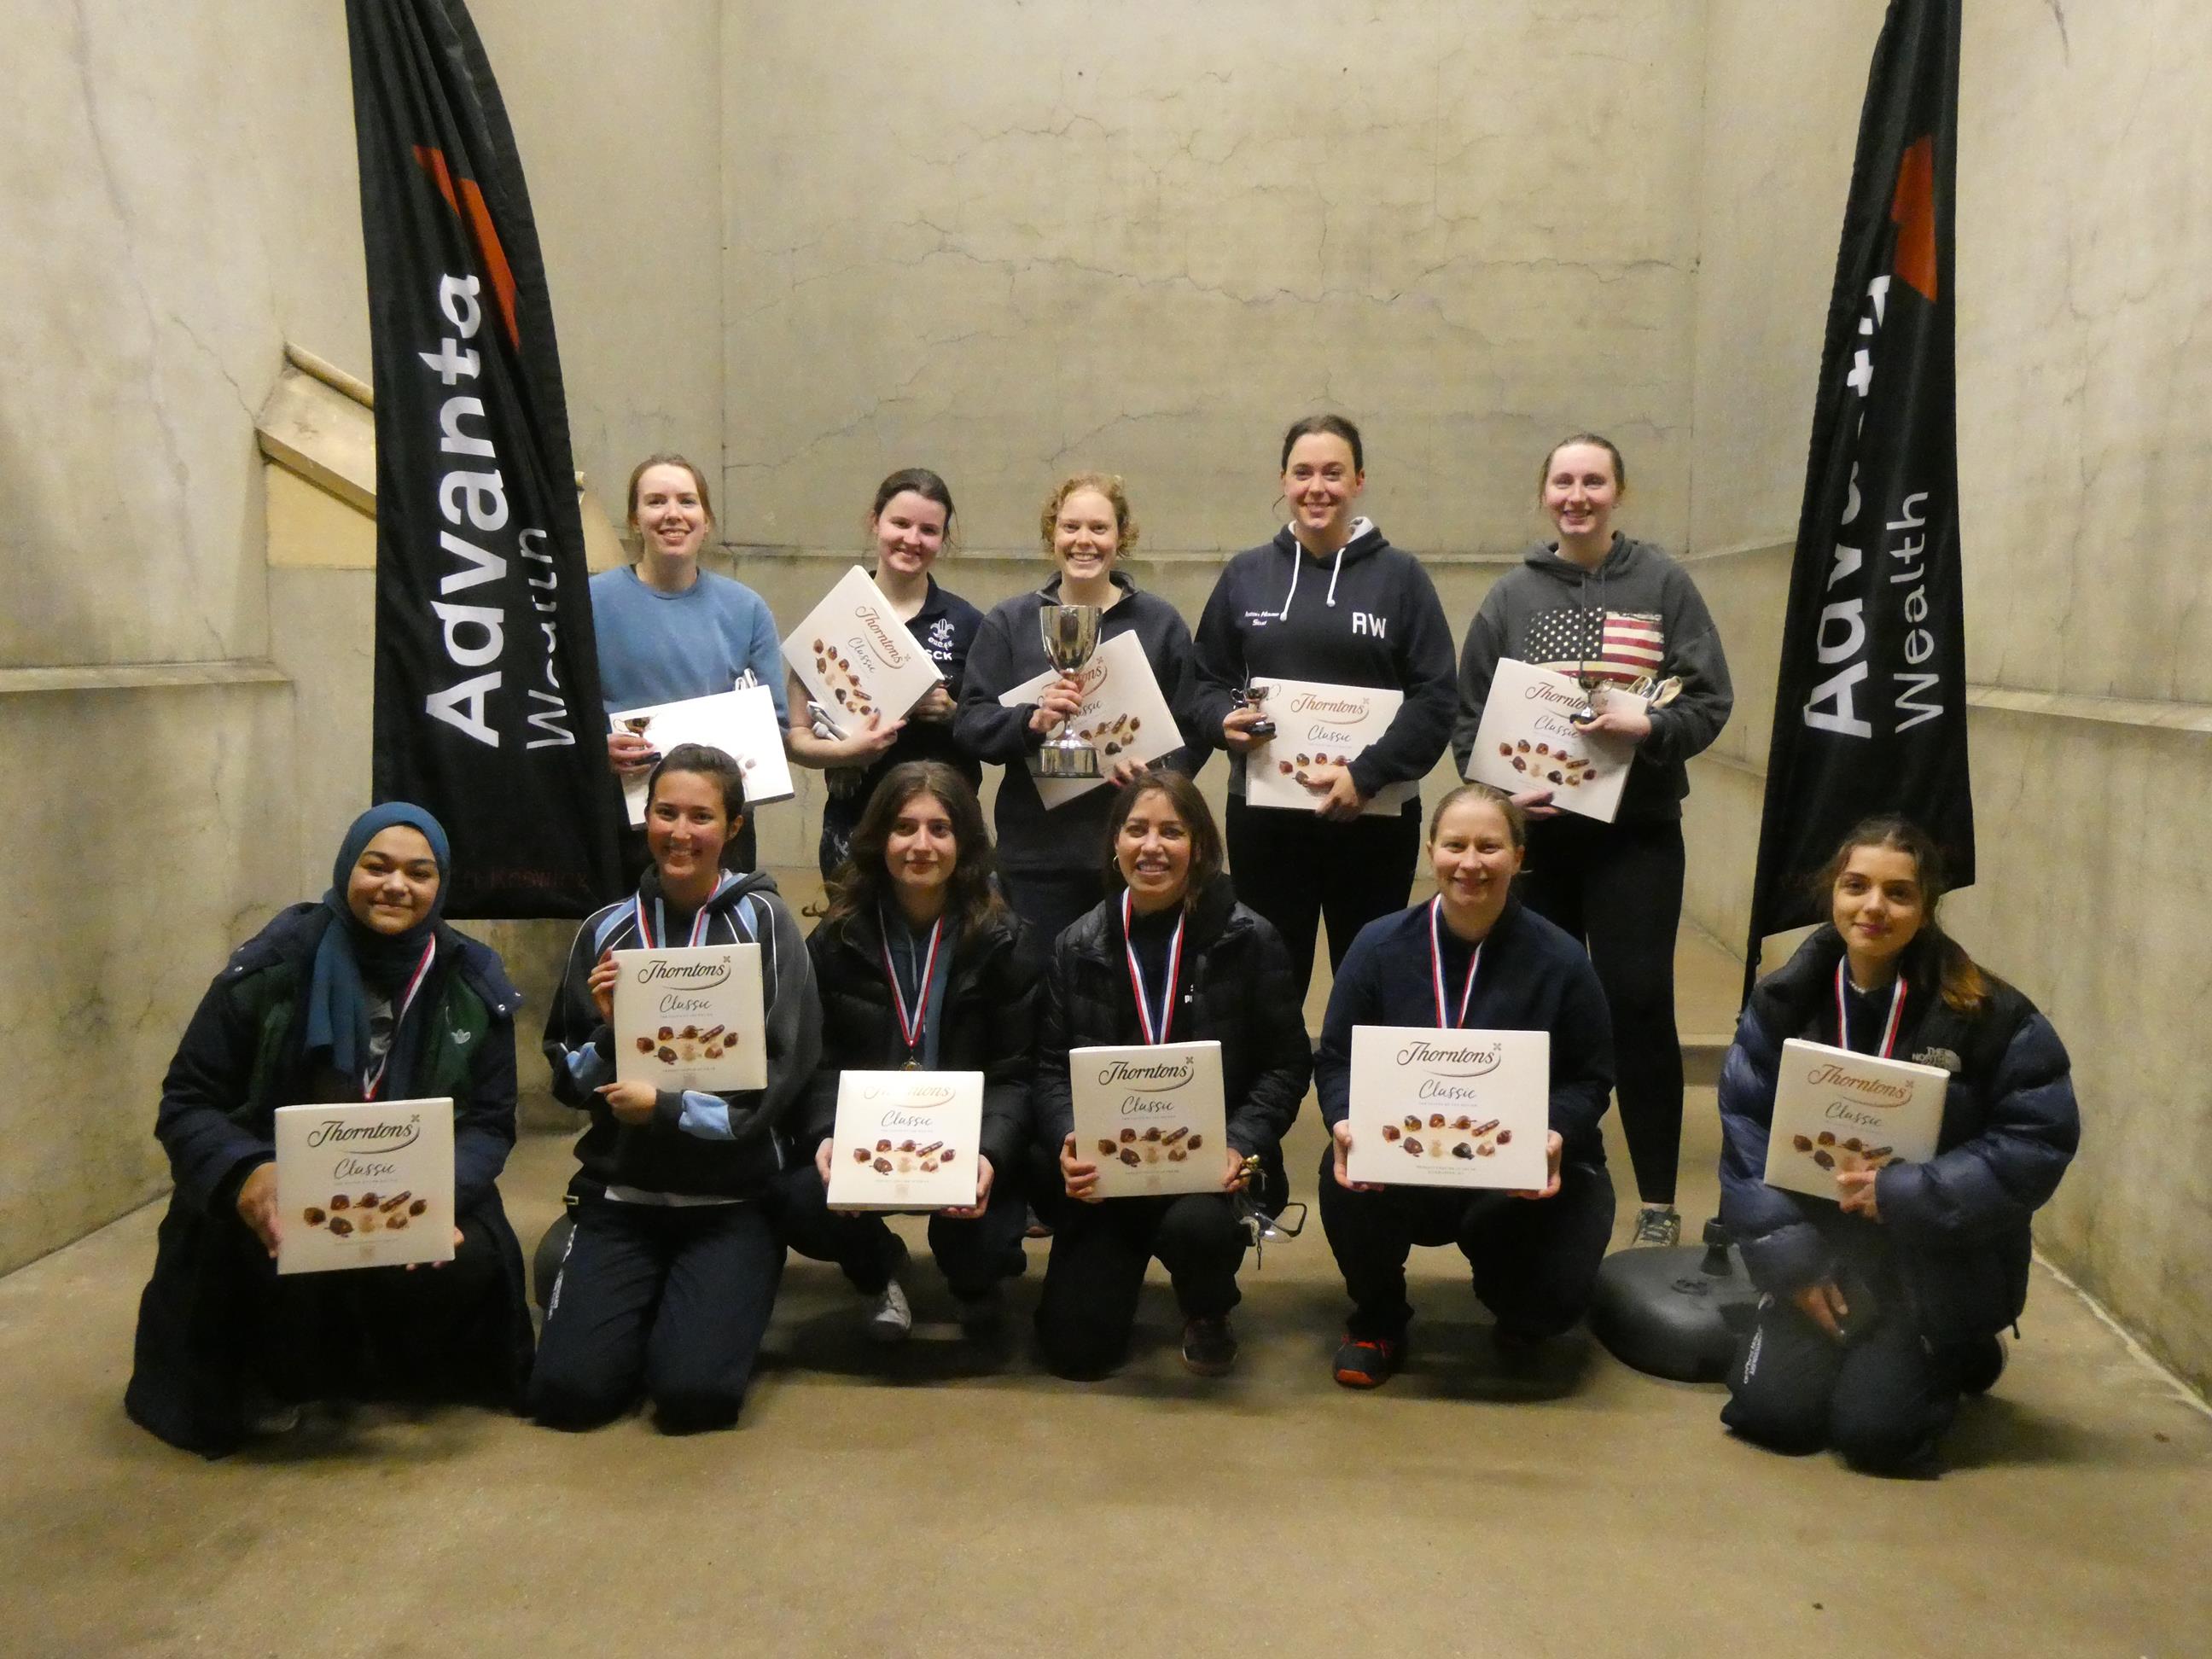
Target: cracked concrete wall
(1011, 241)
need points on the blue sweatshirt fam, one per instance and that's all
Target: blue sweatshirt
(658, 648)
(1532, 978)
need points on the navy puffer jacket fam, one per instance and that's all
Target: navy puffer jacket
(1955, 1230)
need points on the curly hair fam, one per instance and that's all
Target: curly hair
(1107, 484)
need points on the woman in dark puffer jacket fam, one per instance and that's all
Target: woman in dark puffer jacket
(1882, 1308)
(920, 962)
(1211, 970)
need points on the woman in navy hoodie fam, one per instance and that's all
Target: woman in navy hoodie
(1046, 862)
(669, 1276)
(1328, 599)
(1596, 602)
(1473, 956)
(1883, 1306)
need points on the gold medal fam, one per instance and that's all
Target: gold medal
(912, 1065)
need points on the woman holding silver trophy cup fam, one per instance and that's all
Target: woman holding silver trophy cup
(1046, 862)
(1618, 614)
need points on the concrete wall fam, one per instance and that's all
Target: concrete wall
(1010, 240)
(158, 250)
(2083, 462)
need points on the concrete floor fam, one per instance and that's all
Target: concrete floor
(923, 1501)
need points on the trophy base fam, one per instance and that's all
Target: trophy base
(1067, 760)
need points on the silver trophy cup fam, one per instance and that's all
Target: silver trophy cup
(1071, 635)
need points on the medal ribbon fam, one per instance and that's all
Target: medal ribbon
(374, 1080)
(1153, 1034)
(1436, 969)
(910, 1026)
(1844, 1018)
(649, 933)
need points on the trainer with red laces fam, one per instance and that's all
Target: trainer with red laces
(1473, 957)
(1171, 957)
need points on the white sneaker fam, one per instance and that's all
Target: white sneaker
(889, 1317)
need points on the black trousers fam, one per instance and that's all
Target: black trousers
(671, 1301)
(1535, 1260)
(1618, 888)
(1883, 1400)
(1051, 900)
(1099, 1251)
(973, 1254)
(1298, 870)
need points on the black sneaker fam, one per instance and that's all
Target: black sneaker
(1368, 1362)
(1209, 1346)
(982, 1316)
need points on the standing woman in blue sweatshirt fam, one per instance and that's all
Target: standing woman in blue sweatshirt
(1473, 956)
(1597, 602)
(667, 630)
(1047, 862)
(673, 1268)
(1328, 599)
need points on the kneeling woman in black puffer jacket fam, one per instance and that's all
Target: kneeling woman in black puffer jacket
(920, 963)
(1882, 1308)
(1208, 969)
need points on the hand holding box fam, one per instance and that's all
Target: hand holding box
(1448, 1108)
(364, 1186)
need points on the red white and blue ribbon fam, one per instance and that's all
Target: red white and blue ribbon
(1436, 969)
(910, 1024)
(374, 1080)
(649, 933)
(1155, 1031)
(1843, 1020)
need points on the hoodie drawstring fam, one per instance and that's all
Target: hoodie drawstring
(1297, 558)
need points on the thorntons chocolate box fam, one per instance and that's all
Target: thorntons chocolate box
(1318, 724)
(1528, 740)
(366, 1185)
(742, 724)
(856, 659)
(1122, 713)
(905, 1141)
(1836, 1110)
(690, 1018)
(1433, 1108)
(1151, 1117)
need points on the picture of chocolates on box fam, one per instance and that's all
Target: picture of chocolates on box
(1153, 1146)
(1545, 763)
(1114, 736)
(838, 679)
(1850, 1155)
(904, 1158)
(684, 1046)
(1437, 1136)
(348, 1215)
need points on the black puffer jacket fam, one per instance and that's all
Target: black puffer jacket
(989, 1023)
(1955, 1228)
(1235, 989)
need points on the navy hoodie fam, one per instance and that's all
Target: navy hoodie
(1009, 649)
(1532, 978)
(1368, 615)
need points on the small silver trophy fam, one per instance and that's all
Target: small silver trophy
(1071, 635)
(1249, 695)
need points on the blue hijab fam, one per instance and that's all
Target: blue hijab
(353, 957)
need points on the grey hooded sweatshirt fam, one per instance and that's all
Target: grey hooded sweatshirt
(1553, 613)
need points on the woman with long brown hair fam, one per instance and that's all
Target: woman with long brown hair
(916, 959)
(1883, 1306)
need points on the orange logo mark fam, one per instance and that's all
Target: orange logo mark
(469, 207)
(1912, 210)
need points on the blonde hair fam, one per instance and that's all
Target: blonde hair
(1107, 484)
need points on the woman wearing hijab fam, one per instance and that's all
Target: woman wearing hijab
(365, 995)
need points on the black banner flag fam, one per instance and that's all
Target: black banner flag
(487, 685)
(1870, 714)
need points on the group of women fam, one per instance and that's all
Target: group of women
(1115, 918)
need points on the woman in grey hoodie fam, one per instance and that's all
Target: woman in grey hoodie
(1597, 603)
